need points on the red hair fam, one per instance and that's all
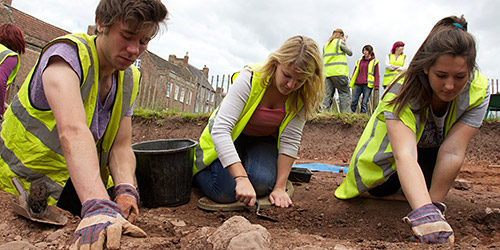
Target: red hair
(397, 44)
(12, 37)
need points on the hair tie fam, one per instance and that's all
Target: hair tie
(458, 25)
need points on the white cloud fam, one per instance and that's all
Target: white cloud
(227, 34)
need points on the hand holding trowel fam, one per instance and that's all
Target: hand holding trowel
(34, 206)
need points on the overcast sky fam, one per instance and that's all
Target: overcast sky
(225, 35)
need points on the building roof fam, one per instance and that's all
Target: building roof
(189, 72)
(34, 27)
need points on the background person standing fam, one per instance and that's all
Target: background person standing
(394, 63)
(364, 79)
(336, 71)
(11, 47)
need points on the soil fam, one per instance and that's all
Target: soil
(317, 220)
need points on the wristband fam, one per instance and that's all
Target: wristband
(241, 176)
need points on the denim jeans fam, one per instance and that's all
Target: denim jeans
(341, 83)
(358, 90)
(259, 156)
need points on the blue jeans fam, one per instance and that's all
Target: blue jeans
(358, 90)
(259, 156)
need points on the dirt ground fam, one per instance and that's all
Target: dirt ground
(317, 220)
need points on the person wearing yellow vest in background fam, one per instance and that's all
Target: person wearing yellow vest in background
(394, 63)
(364, 79)
(68, 129)
(417, 137)
(12, 45)
(337, 74)
(252, 139)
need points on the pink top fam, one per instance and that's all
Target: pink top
(264, 121)
(6, 68)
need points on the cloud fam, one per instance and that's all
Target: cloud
(226, 34)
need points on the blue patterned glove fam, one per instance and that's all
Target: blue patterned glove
(429, 226)
(128, 199)
(102, 220)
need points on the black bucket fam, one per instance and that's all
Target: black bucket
(164, 171)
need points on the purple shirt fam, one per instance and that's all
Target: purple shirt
(362, 77)
(6, 68)
(68, 53)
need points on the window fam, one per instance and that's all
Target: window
(169, 88)
(176, 93)
(181, 99)
(190, 97)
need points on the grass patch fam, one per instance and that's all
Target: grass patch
(160, 116)
(349, 118)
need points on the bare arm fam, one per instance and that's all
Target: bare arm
(278, 196)
(244, 189)
(449, 160)
(404, 146)
(122, 158)
(61, 86)
(122, 167)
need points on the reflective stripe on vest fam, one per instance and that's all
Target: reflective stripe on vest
(38, 129)
(205, 152)
(4, 53)
(371, 73)
(389, 75)
(373, 161)
(335, 60)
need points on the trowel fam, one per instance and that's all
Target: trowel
(44, 213)
(262, 216)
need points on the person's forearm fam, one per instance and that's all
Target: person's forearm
(83, 166)
(285, 163)
(122, 165)
(412, 182)
(237, 169)
(448, 166)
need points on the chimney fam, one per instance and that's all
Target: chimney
(171, 58)
(7, 2)
(91, 29)
(205, 71)
(185, 61)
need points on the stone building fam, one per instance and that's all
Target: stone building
(172, 84)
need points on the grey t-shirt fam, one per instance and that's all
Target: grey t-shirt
(68, 53)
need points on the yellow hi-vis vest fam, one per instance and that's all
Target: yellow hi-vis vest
(390, 75)
(372, 162)
(371, 73)
(205, 152)
(4, 53)
(335, 60)
(29, 140)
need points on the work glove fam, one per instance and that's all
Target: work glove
(127, 197)
(441, 206)
(102, 220)
(429, 226)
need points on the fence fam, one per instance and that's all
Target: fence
(169, 92)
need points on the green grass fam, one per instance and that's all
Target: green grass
(160, 116)
(349, 118)
(492, 119)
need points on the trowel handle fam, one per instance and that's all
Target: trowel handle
(20, 188)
